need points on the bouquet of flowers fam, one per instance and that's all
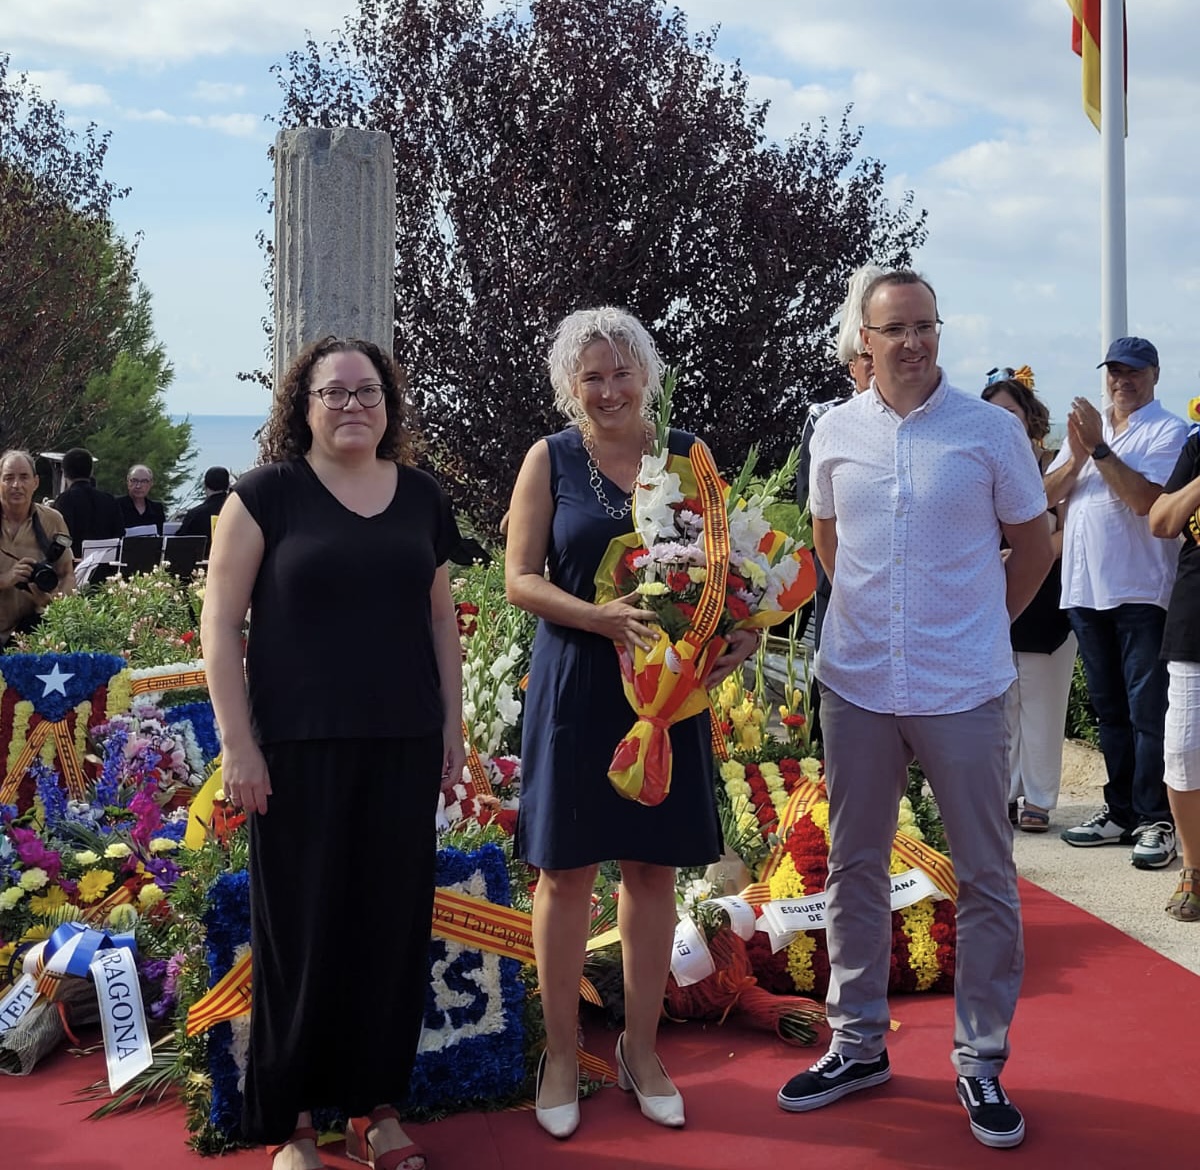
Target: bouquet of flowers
(705, 559)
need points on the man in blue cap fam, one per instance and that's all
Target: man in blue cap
(1117, 578)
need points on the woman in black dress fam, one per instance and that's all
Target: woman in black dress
(347, 725)
(571, 498)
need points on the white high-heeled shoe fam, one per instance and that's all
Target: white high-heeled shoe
(666, 1110)
(558, 1121)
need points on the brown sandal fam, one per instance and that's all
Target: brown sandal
(305, 1133)
(1185, 902)
(359, 1148)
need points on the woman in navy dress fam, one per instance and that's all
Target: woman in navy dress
(571, 499)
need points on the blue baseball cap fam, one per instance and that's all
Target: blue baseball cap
(1135, 352)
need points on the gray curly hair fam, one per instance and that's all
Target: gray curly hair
(577, 331)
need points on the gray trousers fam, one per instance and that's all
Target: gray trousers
(965, 757)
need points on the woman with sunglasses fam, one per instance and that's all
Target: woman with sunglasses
(336, 744)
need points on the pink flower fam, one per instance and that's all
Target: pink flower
(33, 852)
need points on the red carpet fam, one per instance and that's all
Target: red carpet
(1104, 1051)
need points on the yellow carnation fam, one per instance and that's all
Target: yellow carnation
(163, 845)
(652, 588)
(698, 573)
(10, 897)
(94, 884)
(122, 917)
(87, 857)
(810, 768)
(732, 770)
(150, 895)
(34, 879)
(118, 849)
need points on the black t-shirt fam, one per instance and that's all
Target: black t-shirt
(341, 641)
(90, 515)
(197, 521)
(1181, 637)
(154, 514)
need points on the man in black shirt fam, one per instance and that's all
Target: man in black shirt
(137, 508)
(90, 513)
(197, 521)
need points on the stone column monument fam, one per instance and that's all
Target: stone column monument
(335, 239)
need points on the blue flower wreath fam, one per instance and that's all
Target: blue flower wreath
(227, 927)
(204, 726)
(73, 678)
(476, 1070)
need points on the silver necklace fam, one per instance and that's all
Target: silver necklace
(617, 513)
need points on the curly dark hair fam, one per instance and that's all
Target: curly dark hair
(286, 434)
(1037, 414)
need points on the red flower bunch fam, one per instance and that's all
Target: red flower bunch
(810, 854)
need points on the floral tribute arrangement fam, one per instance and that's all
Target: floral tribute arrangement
(84, 876)
(472, 1052)
(705, 559)
(924, 889)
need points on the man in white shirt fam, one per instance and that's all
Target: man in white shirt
(913, 485)
(1117, 579)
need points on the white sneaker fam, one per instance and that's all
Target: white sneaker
(1154, 846)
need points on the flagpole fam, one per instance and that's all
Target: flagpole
(1114, 315)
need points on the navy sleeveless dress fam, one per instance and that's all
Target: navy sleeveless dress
(576, 713)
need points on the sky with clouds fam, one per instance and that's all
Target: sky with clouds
(973, 106)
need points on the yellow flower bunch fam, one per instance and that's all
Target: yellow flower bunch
(51, 900)
(94, 884)
(1194, 410)
(907, 823)
(922, 950)
(786, 882)
(733, 776)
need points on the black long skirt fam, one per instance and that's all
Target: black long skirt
(341, 903)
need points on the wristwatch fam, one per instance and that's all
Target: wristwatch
(1101, 451)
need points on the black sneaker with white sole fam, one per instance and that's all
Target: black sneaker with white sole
(832, 1077)
(995, 1120)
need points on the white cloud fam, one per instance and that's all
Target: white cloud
(235, 125)
(58, 86)
(156, 32)
(218, 92)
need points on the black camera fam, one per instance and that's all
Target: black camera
(42, 574)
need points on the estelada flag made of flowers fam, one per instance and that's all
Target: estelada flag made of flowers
(705, 569)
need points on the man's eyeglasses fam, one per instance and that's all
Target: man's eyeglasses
(140, 482)
(922, 330)
(338, 397)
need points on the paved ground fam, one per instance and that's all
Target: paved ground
(1100, 879)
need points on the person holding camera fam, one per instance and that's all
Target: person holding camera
(35, 548)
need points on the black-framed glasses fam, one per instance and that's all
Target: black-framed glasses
(338, 397)
(922, 330)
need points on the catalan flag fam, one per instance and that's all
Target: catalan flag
(1085, 41)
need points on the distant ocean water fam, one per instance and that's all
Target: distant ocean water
(224, 440)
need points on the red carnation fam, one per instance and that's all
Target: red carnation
(738, 609)
(678, 580)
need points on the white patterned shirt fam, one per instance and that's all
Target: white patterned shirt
(917, 623)
(1110, 557)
